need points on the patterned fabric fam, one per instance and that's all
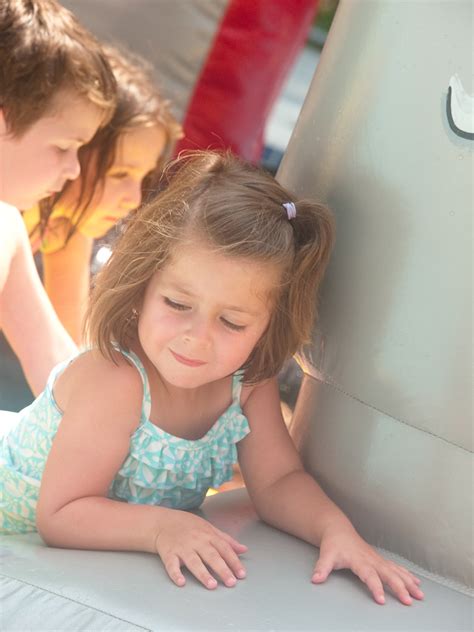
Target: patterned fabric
(160, 469)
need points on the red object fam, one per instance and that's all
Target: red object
(254, 48)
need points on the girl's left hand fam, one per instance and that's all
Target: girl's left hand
(346, 549)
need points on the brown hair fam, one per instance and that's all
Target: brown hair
(238, 209)
(43, 49)
(139, 104)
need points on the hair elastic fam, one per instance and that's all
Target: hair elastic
(290, 209)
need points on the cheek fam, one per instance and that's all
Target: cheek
(235, 348)
(107, 197)
(161, 324)
(43, 164)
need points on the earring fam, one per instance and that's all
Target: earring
(132, 319)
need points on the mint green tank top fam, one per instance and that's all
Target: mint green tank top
(160, 469)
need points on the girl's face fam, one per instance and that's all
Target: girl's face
(203, 314)
(38, 163)
(137, 153)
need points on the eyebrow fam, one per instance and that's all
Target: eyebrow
(231, 308)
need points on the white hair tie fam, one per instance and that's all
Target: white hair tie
(290, 209)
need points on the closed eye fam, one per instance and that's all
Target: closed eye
(119, 175)
(177, 306)
(232, 326)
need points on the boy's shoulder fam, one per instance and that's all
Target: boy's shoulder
(10, 216)
(12, 231)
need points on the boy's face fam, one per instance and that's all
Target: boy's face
(39, 162)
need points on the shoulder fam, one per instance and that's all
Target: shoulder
(10, 219)
(93, 381)
(251, 393)
(13, 238)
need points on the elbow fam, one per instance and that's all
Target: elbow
(44, 530)
(47, 528)
(262, 506)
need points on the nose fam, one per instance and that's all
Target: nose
(72, 168)
(198, 331)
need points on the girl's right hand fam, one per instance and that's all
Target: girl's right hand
(186, 539)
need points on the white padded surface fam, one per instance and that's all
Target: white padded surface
(276, 595)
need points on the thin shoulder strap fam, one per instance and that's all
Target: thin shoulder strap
(135, 360)
(237, 386)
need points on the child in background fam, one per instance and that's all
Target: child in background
(209, 290)
(134, 144)
(56, 89)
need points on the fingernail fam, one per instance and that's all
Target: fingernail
(231, 581)
(381, 599)
(241, 573)
(211, 583)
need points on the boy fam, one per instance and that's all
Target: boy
(56, 90)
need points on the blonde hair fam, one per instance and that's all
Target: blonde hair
(237, 208)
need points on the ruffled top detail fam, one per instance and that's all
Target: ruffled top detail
(162, 469)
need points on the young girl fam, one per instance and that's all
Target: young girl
(134, 144)
(207, 293)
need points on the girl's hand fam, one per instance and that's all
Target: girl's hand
(346, 549)
(186, 539)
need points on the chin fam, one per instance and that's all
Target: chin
(185, 381)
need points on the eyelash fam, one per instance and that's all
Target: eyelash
(121, 175)
(179, 307)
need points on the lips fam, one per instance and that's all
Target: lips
(187, 361)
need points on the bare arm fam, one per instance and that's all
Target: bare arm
(93, 437)
(290, 499)
(284, 494)
(92, 442)
(26, 314)
(67, 279)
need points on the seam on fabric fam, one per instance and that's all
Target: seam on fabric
(80, 603)
(453, 584)
(325, 379)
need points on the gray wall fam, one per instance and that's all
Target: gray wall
(174, 35)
